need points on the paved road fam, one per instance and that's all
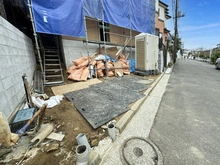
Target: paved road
(187, 126)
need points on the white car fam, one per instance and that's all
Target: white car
(217, 64)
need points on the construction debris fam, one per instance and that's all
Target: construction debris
(99, 65)
(55, 136)
(51, 102)
(43, 133)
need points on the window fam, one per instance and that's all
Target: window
(107, 29)
(157, 32)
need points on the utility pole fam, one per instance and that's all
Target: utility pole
(175, 31)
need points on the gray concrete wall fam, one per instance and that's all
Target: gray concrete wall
(16, 58)
(74, 49)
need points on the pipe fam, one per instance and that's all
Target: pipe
(111, 131)
(82, 155)
(43, 133)
(82, 140)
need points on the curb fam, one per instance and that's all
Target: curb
(121, 124)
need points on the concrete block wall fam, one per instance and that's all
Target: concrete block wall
(16, 58)
(74, 49)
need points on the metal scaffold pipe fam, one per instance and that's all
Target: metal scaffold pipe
(103, 30)
(35, 35)
(87, 47)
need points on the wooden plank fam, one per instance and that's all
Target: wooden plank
(118, 65)
(60, 90)
(56, 136)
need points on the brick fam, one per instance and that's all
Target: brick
(10, 92)
(5, 109)
(3, 40)
(2, 48)
(3, 99)
(14, 101)
(8, 50)
(1, 87)
(3, 61)
(7, 82)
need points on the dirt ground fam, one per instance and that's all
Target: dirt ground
(68, 121)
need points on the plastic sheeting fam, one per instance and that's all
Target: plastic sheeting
(137, 15)
(92, 8)
(65, 17)
(143, 15)
(62, 17)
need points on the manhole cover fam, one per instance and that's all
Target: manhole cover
(139, 151)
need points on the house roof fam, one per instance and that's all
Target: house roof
(165, 6)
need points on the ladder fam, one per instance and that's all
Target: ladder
(53, 73)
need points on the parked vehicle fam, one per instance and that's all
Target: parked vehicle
(217, 64)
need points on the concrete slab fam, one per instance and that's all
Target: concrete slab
(94, 158)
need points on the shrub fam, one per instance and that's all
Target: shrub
(170, 64)
(215, 56)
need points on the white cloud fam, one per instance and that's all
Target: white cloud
(190, 28)
(203, 3)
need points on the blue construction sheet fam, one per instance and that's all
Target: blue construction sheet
(143, 15)
(61, 17)
(117, 12)
(137, 15)
(92, 8)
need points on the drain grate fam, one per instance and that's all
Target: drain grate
(137, 150)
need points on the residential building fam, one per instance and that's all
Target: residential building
(161, 17)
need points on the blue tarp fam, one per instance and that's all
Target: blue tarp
(62, 17)
(65, 17)
(117, 12)
(92, 8)
(138, 15)
(143, 15)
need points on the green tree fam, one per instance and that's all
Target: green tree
(215, 55)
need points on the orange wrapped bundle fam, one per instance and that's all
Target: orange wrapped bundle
(109, 64)
(100, 65)
(100, 73)
(125, 65)
(121, 56)
(93, 62)
(76, 74)
(123, 60)
(111, 73)
(126, 68)
(71, 69)
(83, 64)
(85, 74)
(80, 60)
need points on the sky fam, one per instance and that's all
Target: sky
(200, 27)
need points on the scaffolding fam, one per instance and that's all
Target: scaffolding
(104, 42)
(130, 14)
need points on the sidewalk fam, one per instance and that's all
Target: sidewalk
(139, 126)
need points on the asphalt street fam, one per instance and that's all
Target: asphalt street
(187, 126)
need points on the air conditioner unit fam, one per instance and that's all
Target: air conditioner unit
(146, 52)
